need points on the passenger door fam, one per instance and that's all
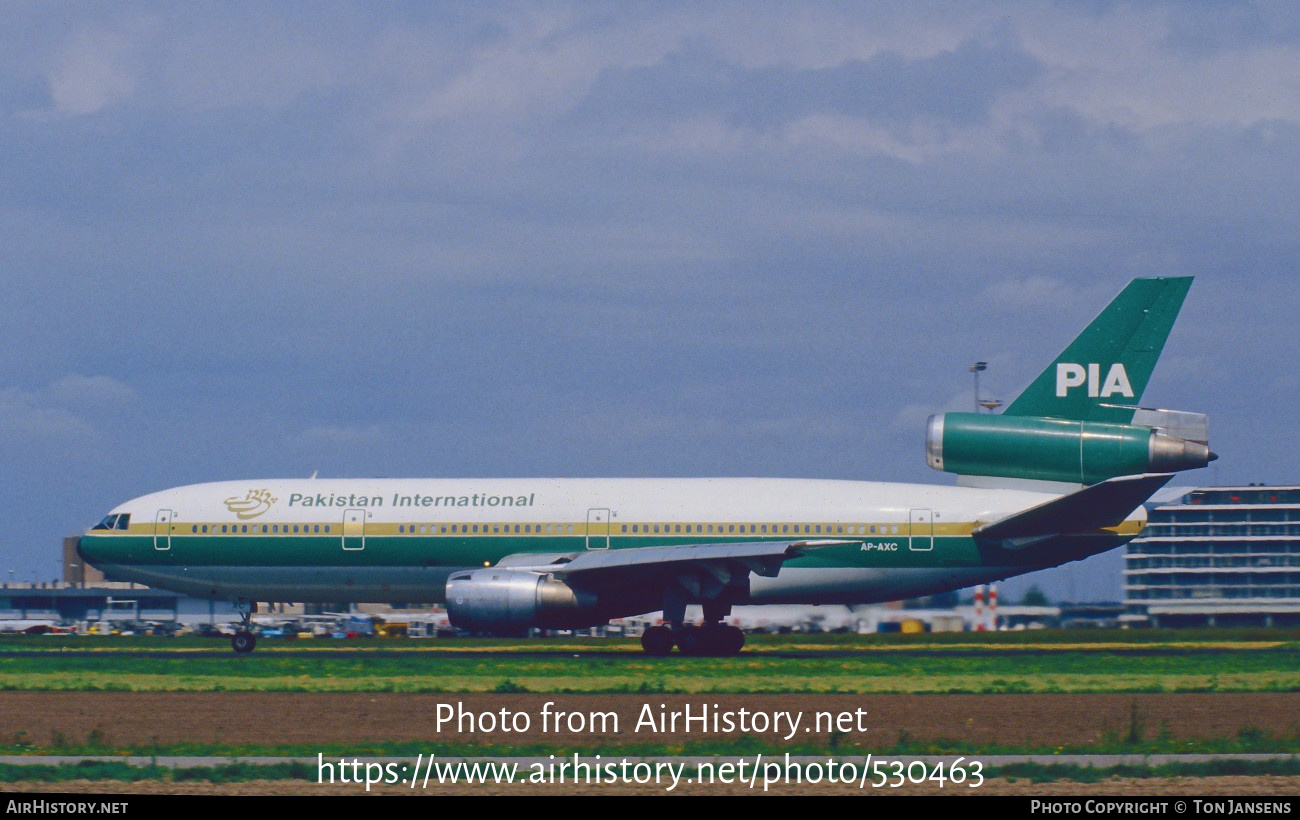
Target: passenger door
(354, 530)
(598, 528)
(922, 528)
(162, 529)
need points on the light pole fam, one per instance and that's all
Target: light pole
(975, 370)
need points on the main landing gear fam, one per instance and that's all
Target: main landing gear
(709, 640)
(244, 640)
(712, 639)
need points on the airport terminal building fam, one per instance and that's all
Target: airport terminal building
(1218, 556)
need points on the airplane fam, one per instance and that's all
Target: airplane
(1059, 475)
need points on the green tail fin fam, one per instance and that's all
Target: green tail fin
(1101, 375)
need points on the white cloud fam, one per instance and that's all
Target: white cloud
(1030, 292)
(64, 410)
(28, 418)
(342, 437)
(911, 418)
(91, 391)
(1119, 68)
(539, 71)
(91, 72)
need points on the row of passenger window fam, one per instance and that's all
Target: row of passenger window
(486, 529)
(563, 529)
(763, 529)
(266, 529)
(318, 529)
(659, 529)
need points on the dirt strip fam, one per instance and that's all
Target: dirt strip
(50, 720)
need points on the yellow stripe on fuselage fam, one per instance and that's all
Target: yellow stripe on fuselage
(544, 529)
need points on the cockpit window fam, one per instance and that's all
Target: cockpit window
(121, 521)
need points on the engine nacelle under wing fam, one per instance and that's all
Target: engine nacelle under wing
(494, 600)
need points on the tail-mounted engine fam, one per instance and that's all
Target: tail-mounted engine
(1080, 452)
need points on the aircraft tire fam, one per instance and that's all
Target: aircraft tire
(657, 640)
(728, 641)
(715, 641)
(694, 641)
(243, 642)
(736, 641)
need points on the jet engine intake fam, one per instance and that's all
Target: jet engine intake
(498, 600)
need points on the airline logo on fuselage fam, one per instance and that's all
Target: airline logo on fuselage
(251, 505)
(1070, 376)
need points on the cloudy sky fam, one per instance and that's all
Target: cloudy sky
(600, 239)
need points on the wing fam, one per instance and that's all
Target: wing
(702, 569)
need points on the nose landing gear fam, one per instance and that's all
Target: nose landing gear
(244, 640)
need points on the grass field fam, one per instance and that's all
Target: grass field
(1027, 639)
(1108, 692)
(976, 663)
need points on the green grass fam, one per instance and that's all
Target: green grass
(989, 663)
(1041, 640)
(95, 770)
(1025, 662)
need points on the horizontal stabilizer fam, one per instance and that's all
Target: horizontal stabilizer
(1093, 508)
